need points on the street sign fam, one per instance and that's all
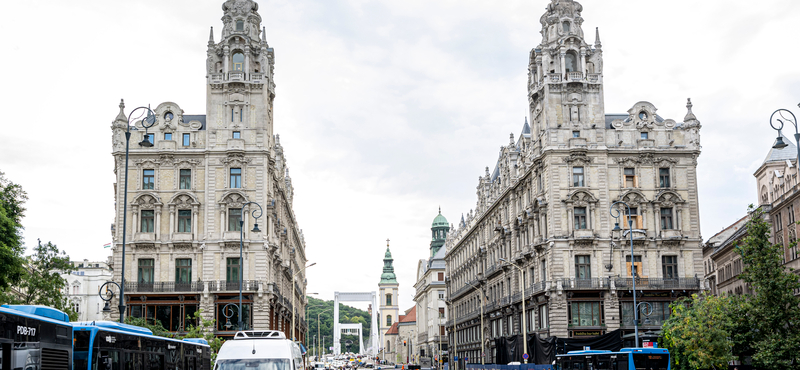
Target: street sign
(483, 354)
(525, 356)
(466, 359)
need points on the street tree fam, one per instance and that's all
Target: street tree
(204, 329)
(698, 332)
(12, 210)
(773, 311)
(41, 282)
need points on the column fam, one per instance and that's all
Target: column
(171, 220)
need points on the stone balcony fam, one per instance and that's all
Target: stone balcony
(236, 76)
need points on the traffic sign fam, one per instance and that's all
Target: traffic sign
(466, 359)
(525, 356)
(483, 354)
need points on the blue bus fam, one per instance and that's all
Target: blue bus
(34, 338)
(624, 359)
(108, 345)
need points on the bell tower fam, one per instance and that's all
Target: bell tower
(565, 75)
(389, 295)
(240, 85)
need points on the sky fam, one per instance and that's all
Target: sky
(387, 110)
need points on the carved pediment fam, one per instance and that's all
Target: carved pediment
(235, 159)
(578, 157)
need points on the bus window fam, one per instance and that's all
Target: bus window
(648, 361)
(109, 360)
(621, 363)
(603, 363)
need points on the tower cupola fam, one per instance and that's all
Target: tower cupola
(388, 275)
(439, 230)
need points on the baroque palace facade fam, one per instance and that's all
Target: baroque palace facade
(545, 208)
(189, 192)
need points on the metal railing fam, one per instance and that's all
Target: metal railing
(658, 283)
(164, 286)
(590, 283)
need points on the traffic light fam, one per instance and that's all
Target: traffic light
(404, 343)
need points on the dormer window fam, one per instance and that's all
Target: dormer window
(240, 25)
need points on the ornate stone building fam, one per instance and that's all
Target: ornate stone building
(389, 305)
(430, 295)
(186, 194)
(545, 208)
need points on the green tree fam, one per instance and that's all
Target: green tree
(698, 332)
(12, 210)
(772, 311)
(204, 329)
(154, 325)
(42, 282)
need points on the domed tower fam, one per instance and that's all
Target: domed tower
(439, 230)
(240, 86)
(389, 295)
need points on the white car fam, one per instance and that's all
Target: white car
(259, 350)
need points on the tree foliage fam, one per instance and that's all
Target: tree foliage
(204, 329)
(772, 316)
(698, 332)
(154, 325)
(347, 314)
(12, 209)
(42, 283)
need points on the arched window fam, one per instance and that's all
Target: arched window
(238, 61)
(388, 299)
(565, 26)
(571, 62)
(240, 25)
(389, 320)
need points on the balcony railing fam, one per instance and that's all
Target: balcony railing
(591, 283)
(575, 76)
(537, 287)
(164, 287)
(658, 283)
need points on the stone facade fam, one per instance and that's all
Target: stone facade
(545, 208)
(188, 193)
(429, 297)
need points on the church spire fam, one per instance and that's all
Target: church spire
(211, 36)
(388, 276)
(597, 43)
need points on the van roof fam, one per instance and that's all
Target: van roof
(244, 349)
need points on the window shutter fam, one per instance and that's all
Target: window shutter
(639, 222)
(635, 181)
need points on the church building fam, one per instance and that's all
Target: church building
(542, 242)
(389, 295)
(202, 186)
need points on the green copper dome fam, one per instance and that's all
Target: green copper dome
(440, 221)
(388, 276)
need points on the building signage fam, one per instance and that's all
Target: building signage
(586, 333)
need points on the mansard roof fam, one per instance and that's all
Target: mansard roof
(196, 117)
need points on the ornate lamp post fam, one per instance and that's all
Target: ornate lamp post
(616, 214)
(778, 118)
(524, 313)
(148, 121)
(241, 247)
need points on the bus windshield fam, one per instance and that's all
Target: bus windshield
(647, 361)
(254, 364)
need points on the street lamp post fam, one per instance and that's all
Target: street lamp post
(241, 247)
(293, 294)
(784, 115)
(616, 214)
(318, 323)
(147, 122)
(524, 313)
(483, 342)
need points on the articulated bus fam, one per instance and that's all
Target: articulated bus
(625, 359)
(107, 345)
(34, 337)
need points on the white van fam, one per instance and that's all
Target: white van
(259, 350)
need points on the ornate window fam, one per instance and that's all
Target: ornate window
(148, 218)
(236, 178)
(666, 219)
(630, 177)
(238, 61)
(565, 26)
(183, 270)
(586, 313)
(185, 178)
(571, 62)
(580, 218)
(186, 140)
(663, 178)
(232, 269)
(637, 265)
(148, 179)
(167, 136)
(145, 271)
(577, 177)
(669, 265)
(240, 25)
(389, 320)
(237, 135)
(234, 219)
(583, 267)
(184, 221)
(388, 299)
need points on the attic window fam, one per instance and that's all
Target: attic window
(240, 25)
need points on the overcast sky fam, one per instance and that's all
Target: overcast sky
(386, 109)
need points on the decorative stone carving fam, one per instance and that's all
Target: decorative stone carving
(645, 158)
(578, 157)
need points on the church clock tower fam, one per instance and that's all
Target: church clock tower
(389, 296)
